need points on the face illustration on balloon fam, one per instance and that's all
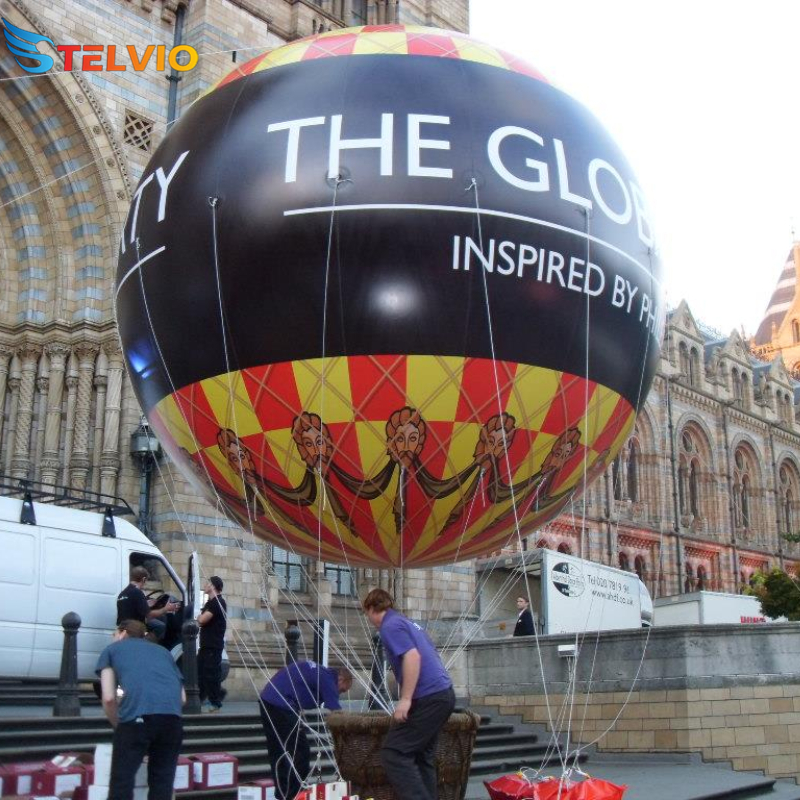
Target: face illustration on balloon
(238, 456)
(402, 366)
(496, 436)
(313, 440)
(405, 434)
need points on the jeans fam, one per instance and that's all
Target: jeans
(408, 753)
(157, 736)
(209, 675)
(287, 745)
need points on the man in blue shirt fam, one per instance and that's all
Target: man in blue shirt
(426, 700)
(147, 720)
(300, 686)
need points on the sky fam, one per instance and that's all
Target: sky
(702, 97)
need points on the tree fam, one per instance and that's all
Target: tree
(779, 594)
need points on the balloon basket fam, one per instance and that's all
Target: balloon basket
(357, 740)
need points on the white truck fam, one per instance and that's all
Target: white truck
(708, 608)
(56, 559)
(568, 594)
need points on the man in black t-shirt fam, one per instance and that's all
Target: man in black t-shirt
(132, 604)
(213, 622)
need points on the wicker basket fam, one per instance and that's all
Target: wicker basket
(357, 740)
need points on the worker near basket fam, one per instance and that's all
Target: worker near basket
(426, 700)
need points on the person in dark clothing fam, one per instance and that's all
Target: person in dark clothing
(132, 604)
(301, 685)
(524, 626)
(213, 621)
(147, 719)
(427, 699)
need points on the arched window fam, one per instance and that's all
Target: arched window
(745, 502)
(616, 477)
(623, 562)
(788, 492)
(633, 471)
(688, 584)
(694, 367)
(542, 543)
(745, 391)
(742, 582)
(736, 385)
(565, 549)
(702, 579)
(358, 12)
(683, 361)
(743, 496)
(694, 488)
(795, 331)
(640, 567)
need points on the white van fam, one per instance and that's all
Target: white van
(54, 560)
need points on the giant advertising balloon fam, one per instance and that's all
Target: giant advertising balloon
(391, 294)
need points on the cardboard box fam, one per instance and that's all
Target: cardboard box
(337, 790)
(101, 793)
(215, 771)
(18, 778)
(56, 780)
(101, 774)
(184, 775)
(261, 789)
(308, 794)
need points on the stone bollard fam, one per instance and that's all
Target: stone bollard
(378, 691)
(68, 703)
(292, 641)
(189, 633)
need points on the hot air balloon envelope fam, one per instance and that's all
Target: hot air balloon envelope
(391, 295)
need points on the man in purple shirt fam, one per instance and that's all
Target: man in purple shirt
(301, 685)
(426, 700)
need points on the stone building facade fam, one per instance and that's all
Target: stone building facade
(708, 483)
(698, 499)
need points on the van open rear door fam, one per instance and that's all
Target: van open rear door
(194, 592)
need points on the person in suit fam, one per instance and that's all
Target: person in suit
(524, 626)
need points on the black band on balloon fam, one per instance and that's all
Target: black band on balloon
(406, 253)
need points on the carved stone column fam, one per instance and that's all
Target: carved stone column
(100, 386)
(57, 353)
(110, 458)
(69, 433)
(86, 352)
(14, 380)
(43, 388)
(21, 460)
(5, 362)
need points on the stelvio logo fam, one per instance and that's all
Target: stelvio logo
(23, 44)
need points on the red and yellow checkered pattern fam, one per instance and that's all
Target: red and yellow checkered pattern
(412, 40)
(354, 397)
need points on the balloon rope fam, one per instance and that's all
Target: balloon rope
(158, 347)
(214, 205)
(197, 446)
(473, 186)
(639, 399)
(584, 540)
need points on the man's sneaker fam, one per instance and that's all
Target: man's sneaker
(214, 707)
(208, 706)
